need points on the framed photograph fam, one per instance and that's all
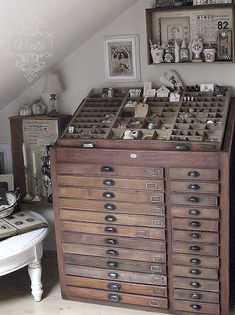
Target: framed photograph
(122, 58)
(175, 28)
(224, 45)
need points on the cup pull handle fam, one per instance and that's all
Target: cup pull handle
(107, 169)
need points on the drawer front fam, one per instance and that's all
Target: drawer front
(195, 212)
(196, 284)
(120, 230)
(137, 195)
(117, 286)
(194, 199)
(199, 187)
(99, 217)
(107, 274)
(195, 260)
(200, 296)
(115, 264)
(108, 252)
(196, 307)
(196, 248)
(106, 182)
(110, 206)
(195, 272)
(196, 224)
(108, 169)
(114, 241)
(194, 174)
(190, 236)
(118, 298)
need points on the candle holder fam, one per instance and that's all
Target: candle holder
(27, 197)
(36, 196)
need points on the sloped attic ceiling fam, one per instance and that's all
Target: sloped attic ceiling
(67, 24)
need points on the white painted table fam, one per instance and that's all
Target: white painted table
(22, 250)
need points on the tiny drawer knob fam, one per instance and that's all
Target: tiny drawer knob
(195, 235)
(195, 261)
(109, 182)
(195, 284)
(114, 297)
(114, 286)
(194, 186)
(196, 307)
(113, 275)
(112, 264)
(195, 224)
(193, 199)
(196, 296)
(107, 169)
(111, 241)
(112, 252)
(108, 195)
(193, 174)
(110, 206)
(195, 248)
(110, 229)
(110, 218)
(195, 272)
(194, 212)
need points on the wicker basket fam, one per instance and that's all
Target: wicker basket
(6, 210)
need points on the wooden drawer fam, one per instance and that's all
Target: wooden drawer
(195, 224)
(199, 187)
(114, 241)
(125, 276)
(109, 169)
(106, 182)
(194, 174)
(195, 272)
(112, 218)
(194, 284)
(116, 286)
(135, 196)
(120, 207)
(120, 230)
(115, 264)
(194, 260)
(109, 252)
(196, 307)
(201, 296)
(117, 298)
(190, 236)
(195, 212)
(196, 248)
(194, 199)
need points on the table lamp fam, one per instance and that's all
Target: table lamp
(53, 87)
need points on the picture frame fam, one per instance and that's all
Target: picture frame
(122, 58)
(224, 45)
(175, 28)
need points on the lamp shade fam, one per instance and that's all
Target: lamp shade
(52, 84)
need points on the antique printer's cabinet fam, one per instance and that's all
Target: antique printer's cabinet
(140, 223)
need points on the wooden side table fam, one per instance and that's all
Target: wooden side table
(26, 249)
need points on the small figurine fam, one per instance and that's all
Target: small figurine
(197, 47)
(184, 52)
(157, 52)
(177, 52)
(163, 91)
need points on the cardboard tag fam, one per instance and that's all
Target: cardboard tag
(141, 110)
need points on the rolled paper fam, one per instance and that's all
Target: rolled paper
(34, 163)
(24, 155)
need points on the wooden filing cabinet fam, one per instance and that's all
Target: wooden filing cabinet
(143, 227)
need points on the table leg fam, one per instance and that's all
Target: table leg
(35, 273)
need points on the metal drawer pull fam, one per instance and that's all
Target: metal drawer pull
(110, 229)
(182, 147)
(195, 248)
(195, 284)
(195, 224)
(194, 186)
(114, 286)
(193, 199)
(112, 252)
(196, 296)
(111, 241)
(112, 264)
(154, 303)
(114, 297)
(109, 182)
(196, 307)
(194, 212)
(193, 174)
(110, 218)
(195, 272)
(107, 169)
(108, 194)
(195, 235)
(113, 275)
(110, 206)
(195, 261)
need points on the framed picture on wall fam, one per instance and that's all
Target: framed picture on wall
(122, 58)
